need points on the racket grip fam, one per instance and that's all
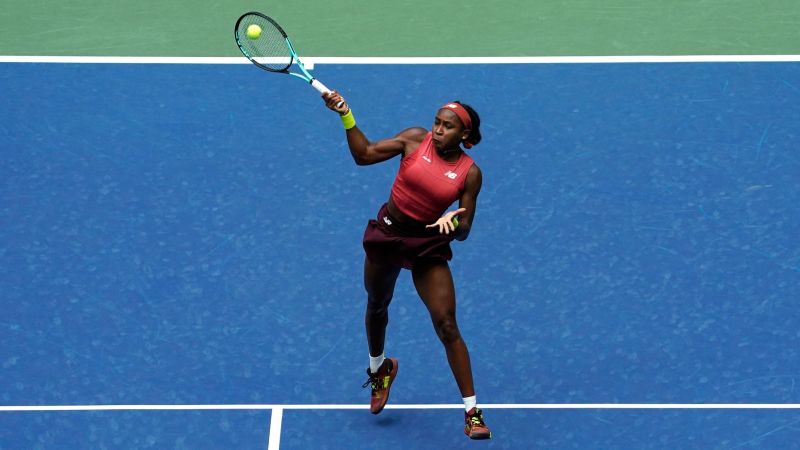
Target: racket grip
(323, 89)
(319, 86)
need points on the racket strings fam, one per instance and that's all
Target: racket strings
(270, 49)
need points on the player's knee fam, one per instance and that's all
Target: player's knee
(378, 307)
(447, 330)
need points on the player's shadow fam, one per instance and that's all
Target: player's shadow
(388, 420)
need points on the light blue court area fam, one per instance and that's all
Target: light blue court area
(191, 234)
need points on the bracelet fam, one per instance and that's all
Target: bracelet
(455, 221)
(348, 120)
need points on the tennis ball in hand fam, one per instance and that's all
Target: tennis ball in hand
(253, 31)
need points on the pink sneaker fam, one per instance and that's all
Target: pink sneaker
(474, 426)
(381, 382)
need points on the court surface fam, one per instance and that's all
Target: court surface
(181, 258)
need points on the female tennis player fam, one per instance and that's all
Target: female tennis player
(413, 230)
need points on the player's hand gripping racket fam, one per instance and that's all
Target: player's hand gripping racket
(266, 45)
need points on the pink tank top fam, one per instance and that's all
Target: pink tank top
(426, 184)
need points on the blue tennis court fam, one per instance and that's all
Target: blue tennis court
(175, 235)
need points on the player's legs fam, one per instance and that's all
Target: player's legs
(434, 283)
(379, 281)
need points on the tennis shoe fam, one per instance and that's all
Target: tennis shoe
(474, 427)
(380, 384)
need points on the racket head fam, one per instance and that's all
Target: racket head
(271, 50)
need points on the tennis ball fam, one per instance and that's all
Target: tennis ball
(253, 31)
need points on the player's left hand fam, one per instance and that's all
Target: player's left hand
(445, 223)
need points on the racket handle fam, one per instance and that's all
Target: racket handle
(323, 90)
(319, 86)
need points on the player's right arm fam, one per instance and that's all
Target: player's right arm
(365, 152)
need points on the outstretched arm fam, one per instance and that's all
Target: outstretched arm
(365, 152)
(469, 201)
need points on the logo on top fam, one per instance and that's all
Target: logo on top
(451, 105)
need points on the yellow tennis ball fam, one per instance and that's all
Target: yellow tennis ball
(253, 31)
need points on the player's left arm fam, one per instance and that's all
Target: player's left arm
(468, 201)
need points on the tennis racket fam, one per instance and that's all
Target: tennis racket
(270, 48)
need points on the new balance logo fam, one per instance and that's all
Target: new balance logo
(450, 174)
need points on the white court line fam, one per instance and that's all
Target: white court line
(276, 407)
(275, 423)
(311, 61)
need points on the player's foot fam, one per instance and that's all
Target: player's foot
(380, 383)
(474, 426)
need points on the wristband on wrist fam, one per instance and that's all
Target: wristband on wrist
(348, 120)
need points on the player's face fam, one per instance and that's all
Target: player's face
(448, 131)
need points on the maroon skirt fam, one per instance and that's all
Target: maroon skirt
(387, 241)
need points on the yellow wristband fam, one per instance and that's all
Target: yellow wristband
(348, 120)
(455, 221)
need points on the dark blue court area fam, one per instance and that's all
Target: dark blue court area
(191, 234)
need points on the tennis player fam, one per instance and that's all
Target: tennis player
(413, 231)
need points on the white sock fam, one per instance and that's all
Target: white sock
(375, 362)
(470, 402)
